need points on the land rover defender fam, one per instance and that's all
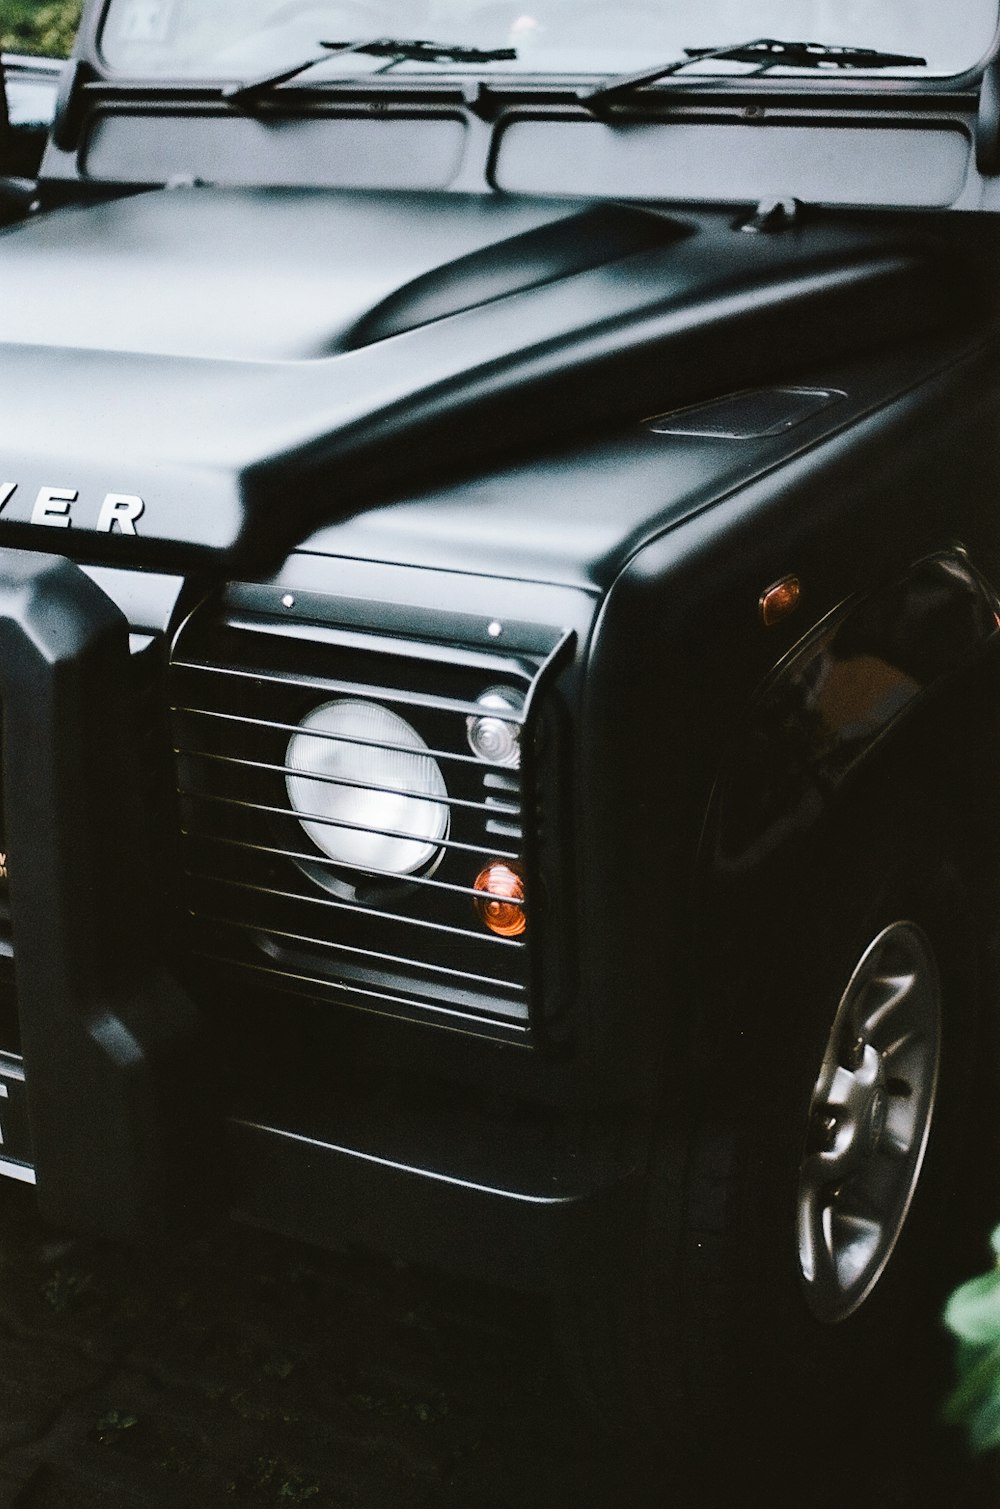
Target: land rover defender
(499, 654)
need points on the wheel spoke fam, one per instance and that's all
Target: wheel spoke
(905, 1058)
(895, 992)
(875, 1191)
(844, 1084)
(855, 1239)
(834, 1086)
(900, 1128)
(901, 1047)
(825, 1168)
(816, 1247)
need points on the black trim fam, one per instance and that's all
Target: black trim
(521, 1234)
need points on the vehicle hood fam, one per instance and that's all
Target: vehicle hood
(288, 275)
(253, 364)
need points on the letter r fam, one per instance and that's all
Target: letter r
(120, 510)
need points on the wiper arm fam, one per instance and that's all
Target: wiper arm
(767, 53)
(395, 49)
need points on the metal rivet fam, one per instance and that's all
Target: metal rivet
(495, 630)
(288, 601)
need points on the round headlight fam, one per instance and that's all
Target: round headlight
(392, 798)
(492, 736)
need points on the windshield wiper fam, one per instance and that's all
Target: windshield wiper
(395, 49)
(767, 53)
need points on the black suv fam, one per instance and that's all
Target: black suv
(499, 655)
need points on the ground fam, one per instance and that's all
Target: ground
(244, 1369)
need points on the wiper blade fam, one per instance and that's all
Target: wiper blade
(395, 49)
(767, 53)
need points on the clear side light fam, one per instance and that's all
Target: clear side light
(492, 736)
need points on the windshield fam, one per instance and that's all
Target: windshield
(233, 39)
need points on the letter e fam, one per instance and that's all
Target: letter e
(52, 507)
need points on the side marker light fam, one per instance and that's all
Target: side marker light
(500, 904)
(779, 600)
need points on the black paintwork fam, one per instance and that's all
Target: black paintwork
(213, 404)
(399, 400)
(103, 1025)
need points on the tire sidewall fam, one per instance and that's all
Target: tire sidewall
(741, 1282)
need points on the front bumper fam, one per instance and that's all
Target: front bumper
(501, 1203)
(114, 1100)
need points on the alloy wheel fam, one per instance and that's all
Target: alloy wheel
(869, 1120)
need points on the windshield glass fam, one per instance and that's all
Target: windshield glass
(234, 39)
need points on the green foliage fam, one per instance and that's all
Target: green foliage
(40, 26)
(973, 1316)
(112, 1425)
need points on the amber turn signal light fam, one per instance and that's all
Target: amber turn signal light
(780, 600)
(501, 903)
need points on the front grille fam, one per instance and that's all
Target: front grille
(262, 898)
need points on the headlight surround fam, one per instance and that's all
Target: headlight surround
(395, 799)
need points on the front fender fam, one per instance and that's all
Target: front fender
(844, 690)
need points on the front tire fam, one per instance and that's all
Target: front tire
(799, 1235)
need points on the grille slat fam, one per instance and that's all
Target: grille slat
(276, 902)
(490, 939)
(331, 822)
(370, 692)
(489, 805)
(322, 859)
(397, 960)
(319, 733)
(391, 1005)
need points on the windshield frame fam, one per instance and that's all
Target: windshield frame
(506, 81)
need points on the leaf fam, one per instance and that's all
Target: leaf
(973, 1311)
(979, 1378)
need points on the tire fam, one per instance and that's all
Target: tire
(723, 1318)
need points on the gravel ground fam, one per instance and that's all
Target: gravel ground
(248, 1370)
